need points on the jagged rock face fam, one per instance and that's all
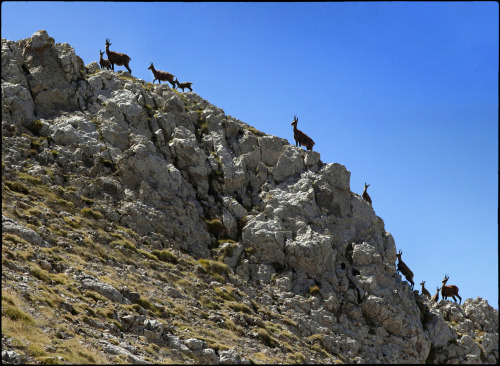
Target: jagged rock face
(184, 175)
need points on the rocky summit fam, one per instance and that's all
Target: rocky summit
(144, 225)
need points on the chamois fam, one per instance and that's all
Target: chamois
(424, 290)
(449, 291)
(403, 268)
(183, 85)
(162, 75)
(365, 195)
(120, 59)
(435, 298)
(103, 62)
(300, 137)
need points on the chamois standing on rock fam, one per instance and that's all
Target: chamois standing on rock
(449, 291)
(183, 85)
(162, 75)
(435, 298)
(300, 137)
(403, 268)
(424, 290)
(120, 59)
(365, 195)
(103, 62)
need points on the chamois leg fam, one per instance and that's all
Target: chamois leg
(128, 68)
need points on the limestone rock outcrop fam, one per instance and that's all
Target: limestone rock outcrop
(143, 169)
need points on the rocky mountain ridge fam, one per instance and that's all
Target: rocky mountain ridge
(144, 225)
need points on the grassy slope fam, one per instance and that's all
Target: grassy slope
(49, 318)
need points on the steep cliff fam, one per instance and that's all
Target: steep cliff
(140, 224)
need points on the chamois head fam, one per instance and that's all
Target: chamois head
(366, 186)
(446, 278)
(422, 283)
(108, 43)
(295, 120)
(151, 66)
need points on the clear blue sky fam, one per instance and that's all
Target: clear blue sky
(404, 94)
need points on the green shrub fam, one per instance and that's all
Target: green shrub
(215, 227)
(266, 338)
(223, 294)
(165, 256)
(28, 178)
(72, 222)
(16, 187)
(239, 307)
(17, 315)
(214, 267)
(13, 238)
(35, 144)
(147, 254)
(41, 274)
(126, 244)
(36, 126)
(314, 290)
(88, 212)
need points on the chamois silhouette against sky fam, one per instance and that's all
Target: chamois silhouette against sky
(403, 94)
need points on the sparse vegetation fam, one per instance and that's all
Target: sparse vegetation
(88, 212)
(266, 338)
(165, 255)
(215, 227)
(314, 290)
(16, 187)
(217, 269)
(36, 126)
(16, 314)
